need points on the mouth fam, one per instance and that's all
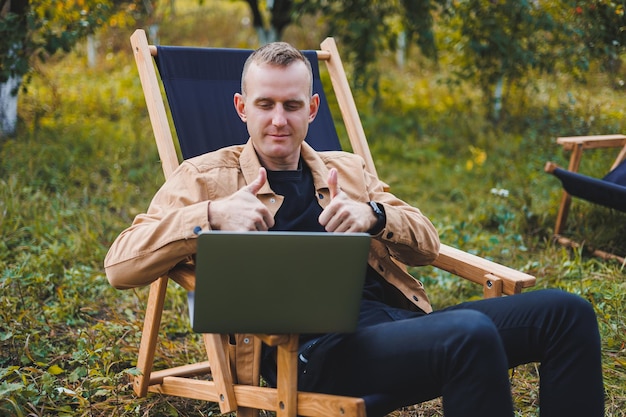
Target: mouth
(279, 136)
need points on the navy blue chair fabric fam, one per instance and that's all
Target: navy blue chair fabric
(200, 84)
(609, 191)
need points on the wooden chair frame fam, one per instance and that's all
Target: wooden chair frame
(576, 145)
(244, 398)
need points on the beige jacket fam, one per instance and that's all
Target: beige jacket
(163, 239)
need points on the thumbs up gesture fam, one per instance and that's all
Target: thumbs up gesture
(242, 211)
(344, 214)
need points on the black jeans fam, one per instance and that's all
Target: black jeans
(463, 353)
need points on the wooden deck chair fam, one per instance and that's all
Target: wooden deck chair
(232, 388)
(609, 191)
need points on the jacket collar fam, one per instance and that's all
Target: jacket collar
(250, 164)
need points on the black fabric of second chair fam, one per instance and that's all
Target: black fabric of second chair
(609, 191)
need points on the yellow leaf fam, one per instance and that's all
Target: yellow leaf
(55, 370)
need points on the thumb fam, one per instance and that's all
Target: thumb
(258, 183)
(332, 183)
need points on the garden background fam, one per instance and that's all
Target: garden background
(83, 163)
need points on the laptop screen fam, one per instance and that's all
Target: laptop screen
(278, 282)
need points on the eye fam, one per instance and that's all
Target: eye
(264, 104)
(293, 105)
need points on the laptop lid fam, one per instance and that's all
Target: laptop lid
(278, 282)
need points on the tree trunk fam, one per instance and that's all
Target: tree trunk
(153, 34)
(92, 53)
(10, 88)
(401, 52)
(280, 17)
(266, 35)
(8, 105)
(497, 99)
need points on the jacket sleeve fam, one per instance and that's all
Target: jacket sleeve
(409, 236)
(164, 236)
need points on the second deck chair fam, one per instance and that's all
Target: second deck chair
(199, 84)
(609, 191)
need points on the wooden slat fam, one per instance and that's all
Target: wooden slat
(184, 275)
(590, 142)
(619, 159)
(562, 240)
(194, 369)
(188, 388)
(149, 335)
(321, 55)
(549, 167)
(216, 351)
(309, 404)
(492, 287)
(273, 339)
(347, 106)
(566, 199)
(476, 269)
(154, 102)
(287, 380)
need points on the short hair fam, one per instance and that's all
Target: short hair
(279, 54)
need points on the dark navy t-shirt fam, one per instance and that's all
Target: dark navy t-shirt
(300, 212)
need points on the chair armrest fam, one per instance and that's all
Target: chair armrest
(184, 274)
(549, 167)
(481, 271)
(455, 261)
(591, 142)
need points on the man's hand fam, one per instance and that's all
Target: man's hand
(242, 211)
(344, 214)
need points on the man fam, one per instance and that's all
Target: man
(402, 353)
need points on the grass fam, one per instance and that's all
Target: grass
(84, 164)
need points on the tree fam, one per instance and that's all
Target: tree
(502, 40)
(13, 22)
(368, 28)
(365, 27)
(280, 18)
(37, 29)
(600, 26)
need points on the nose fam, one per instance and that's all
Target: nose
(278, 118)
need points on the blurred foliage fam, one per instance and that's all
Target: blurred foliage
(502, 40)
(600, 26)
(41, 28)
(83, 164)
(369, 29)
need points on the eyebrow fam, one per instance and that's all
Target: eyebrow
(287, 102)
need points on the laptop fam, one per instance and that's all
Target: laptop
(278, 282)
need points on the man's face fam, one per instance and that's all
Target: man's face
(277, 109)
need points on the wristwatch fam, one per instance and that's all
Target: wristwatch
(381, 219)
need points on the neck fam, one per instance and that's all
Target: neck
(289, 163)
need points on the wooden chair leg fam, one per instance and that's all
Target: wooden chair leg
(620, 157)
(287, 384)
(149, 335)
(561, 217)
(566, 200)
(216, 351)
(249, 347)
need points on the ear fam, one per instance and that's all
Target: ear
(314, 106)
(240, 106)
